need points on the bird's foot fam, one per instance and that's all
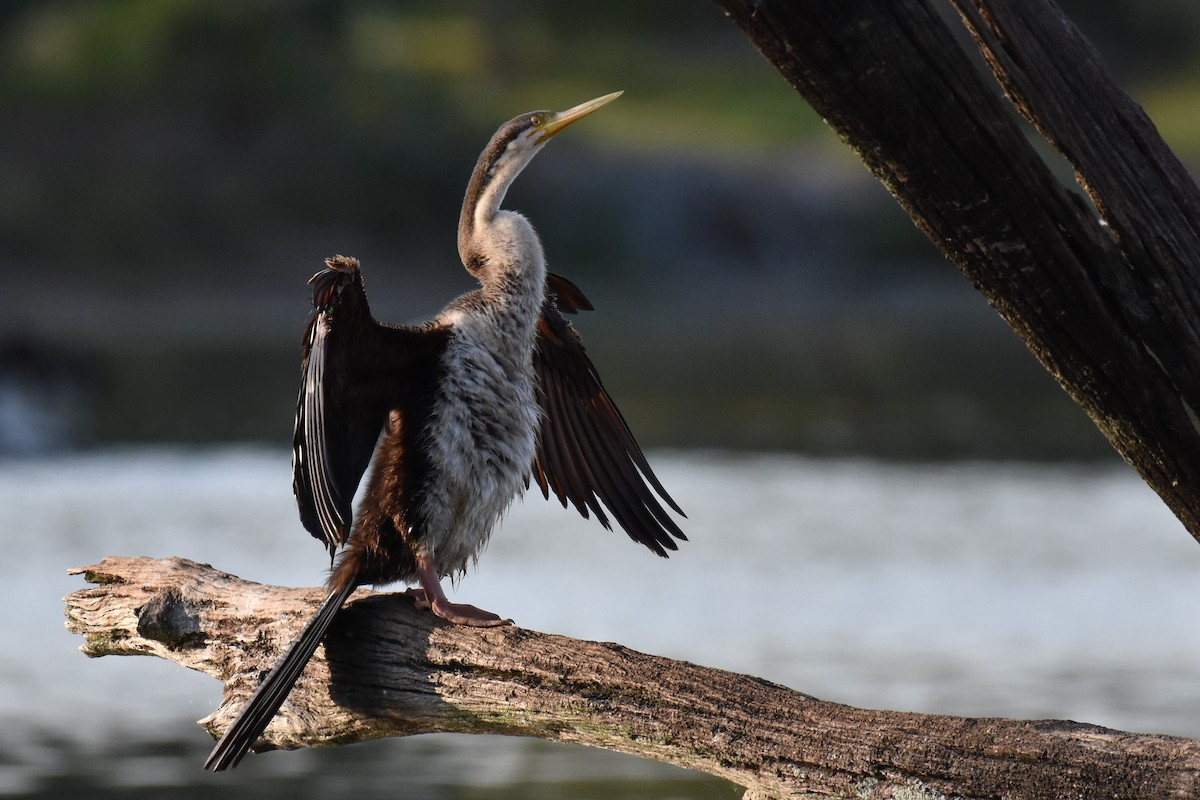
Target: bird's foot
(457, 613)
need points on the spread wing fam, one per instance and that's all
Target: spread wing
(332, 442)
(354, 373)
(586, 454)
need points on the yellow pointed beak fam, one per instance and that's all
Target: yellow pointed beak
(562, 119)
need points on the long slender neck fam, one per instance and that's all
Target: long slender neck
(499, 247)
(506, 256)
(509, 262)
(497, 168)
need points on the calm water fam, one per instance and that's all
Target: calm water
(979, 589)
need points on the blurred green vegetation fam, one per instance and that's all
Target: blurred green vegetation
(177, 168)
(169, 129)
(163, 129)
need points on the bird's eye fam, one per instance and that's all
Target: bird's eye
(535, 121)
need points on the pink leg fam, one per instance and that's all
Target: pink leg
(430, 596)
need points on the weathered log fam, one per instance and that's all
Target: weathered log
(1107, 297)
(387, 669)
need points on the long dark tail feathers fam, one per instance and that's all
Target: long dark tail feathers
(266, 700)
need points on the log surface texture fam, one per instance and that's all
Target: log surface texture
(387, 669)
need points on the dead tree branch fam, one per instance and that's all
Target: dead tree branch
(1106, 296)
(388, 670)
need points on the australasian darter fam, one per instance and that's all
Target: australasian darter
(454, 416)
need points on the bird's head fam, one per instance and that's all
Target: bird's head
(512, 147)
(521, 138)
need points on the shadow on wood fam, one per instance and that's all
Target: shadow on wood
(389, 670)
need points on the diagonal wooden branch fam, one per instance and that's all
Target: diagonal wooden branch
(1107, 301)
(389, 670)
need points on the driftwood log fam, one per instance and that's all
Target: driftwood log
(387, 669)
(1105, 293)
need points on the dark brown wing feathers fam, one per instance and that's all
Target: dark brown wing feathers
(587, 457)
(566, 295)
(355, 372)
(332, 444)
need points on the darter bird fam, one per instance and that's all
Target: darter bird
(455, 417)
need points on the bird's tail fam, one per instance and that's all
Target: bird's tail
(274, 689)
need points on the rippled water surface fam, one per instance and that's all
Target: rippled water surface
(975, 589)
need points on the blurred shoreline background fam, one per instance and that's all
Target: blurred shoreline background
(172, 172)
(927, 521)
